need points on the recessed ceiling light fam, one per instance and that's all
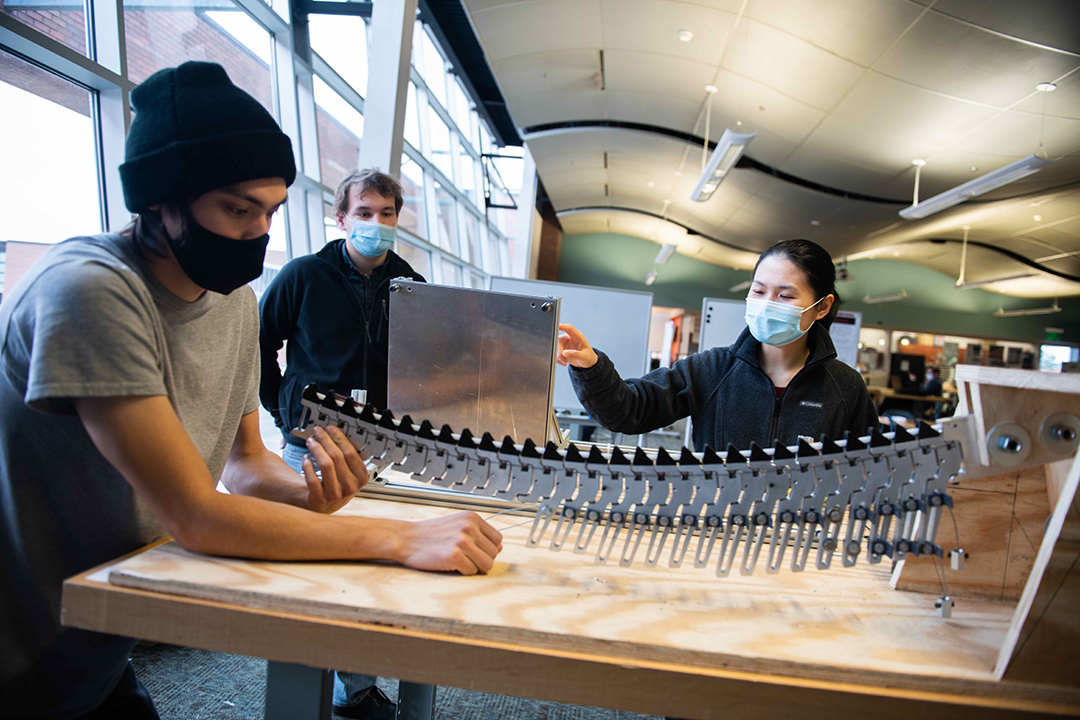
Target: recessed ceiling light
(1037, 218)
(738, 122)
(649, 184)
(686, 35)
(710, 89)
(815, 222)
(974, 169)
(918, 163)
(1046, 87)
(678, 173)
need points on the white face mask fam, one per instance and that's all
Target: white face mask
(774, 323)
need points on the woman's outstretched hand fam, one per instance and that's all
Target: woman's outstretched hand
(574, 349)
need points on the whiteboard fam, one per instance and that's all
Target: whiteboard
(722, 321)
(615, 321)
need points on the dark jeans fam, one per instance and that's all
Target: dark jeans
(128, 701)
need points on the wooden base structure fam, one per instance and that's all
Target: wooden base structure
(681, 642)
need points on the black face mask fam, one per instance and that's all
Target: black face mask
(215, 262)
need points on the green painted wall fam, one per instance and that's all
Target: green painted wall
(933, 304)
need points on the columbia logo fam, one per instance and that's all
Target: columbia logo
(811, 403)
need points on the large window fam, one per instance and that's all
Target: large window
(340, 127)
(341, 41)
(412, 119)
(166, 33)
(58, 132)
(439, 147)
(411, 217)
(49, 153)
(430, 63)
(62, 21)
(418, 257)
(447, 219)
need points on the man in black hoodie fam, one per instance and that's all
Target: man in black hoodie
(332, 309)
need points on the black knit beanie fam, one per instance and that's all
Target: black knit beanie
(193, 132)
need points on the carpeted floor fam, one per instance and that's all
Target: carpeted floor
(189, 684)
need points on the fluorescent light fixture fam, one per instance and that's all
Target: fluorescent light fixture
(991, 281)
(1028, 311)
(686, 35)
(650, 278)
(665, 253)
(744, 285)
(985, 183)
(874, 300)
(725, 156)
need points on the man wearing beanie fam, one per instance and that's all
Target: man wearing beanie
(129, 387)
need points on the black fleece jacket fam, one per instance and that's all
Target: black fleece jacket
(336, 337)
(731, 399)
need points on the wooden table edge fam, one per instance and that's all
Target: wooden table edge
(613, 681)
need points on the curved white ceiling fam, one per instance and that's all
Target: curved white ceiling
(842, 93)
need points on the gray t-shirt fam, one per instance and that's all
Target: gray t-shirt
(89, 320)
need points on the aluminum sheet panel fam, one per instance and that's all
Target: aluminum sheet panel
(472, 359)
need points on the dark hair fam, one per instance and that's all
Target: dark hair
(371, 179)
(816, 265)
(147, 231)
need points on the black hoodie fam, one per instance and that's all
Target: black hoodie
(336, 338)
(731, 399)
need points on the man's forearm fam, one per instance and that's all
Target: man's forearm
(239, 526)
(265, 475)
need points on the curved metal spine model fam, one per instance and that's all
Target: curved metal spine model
(800, 495)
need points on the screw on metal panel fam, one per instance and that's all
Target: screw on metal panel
(853, 548)
(836, 515)
(713, 522)
(761, 519)
(1010, 444)
(738, 521)
(861, 514)
(546, 307)
(641, 518)
(664, 522)
(395, 288)
(593, 515)
(569, 512)
(830, 545)
(878, 548)
(787, 516)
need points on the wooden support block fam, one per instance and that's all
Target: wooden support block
(1000, 522)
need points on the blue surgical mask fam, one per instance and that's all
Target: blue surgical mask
(372, 239)
(774, 323)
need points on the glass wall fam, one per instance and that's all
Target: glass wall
(47, 126)
(167, 33)
(447, 231)
(64, 22)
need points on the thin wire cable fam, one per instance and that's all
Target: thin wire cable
(940, 572)
(956, 528)
(503, 512)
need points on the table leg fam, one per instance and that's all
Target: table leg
(298, 692)
(415, 701)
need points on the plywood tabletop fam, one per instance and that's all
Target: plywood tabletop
(812, 622)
